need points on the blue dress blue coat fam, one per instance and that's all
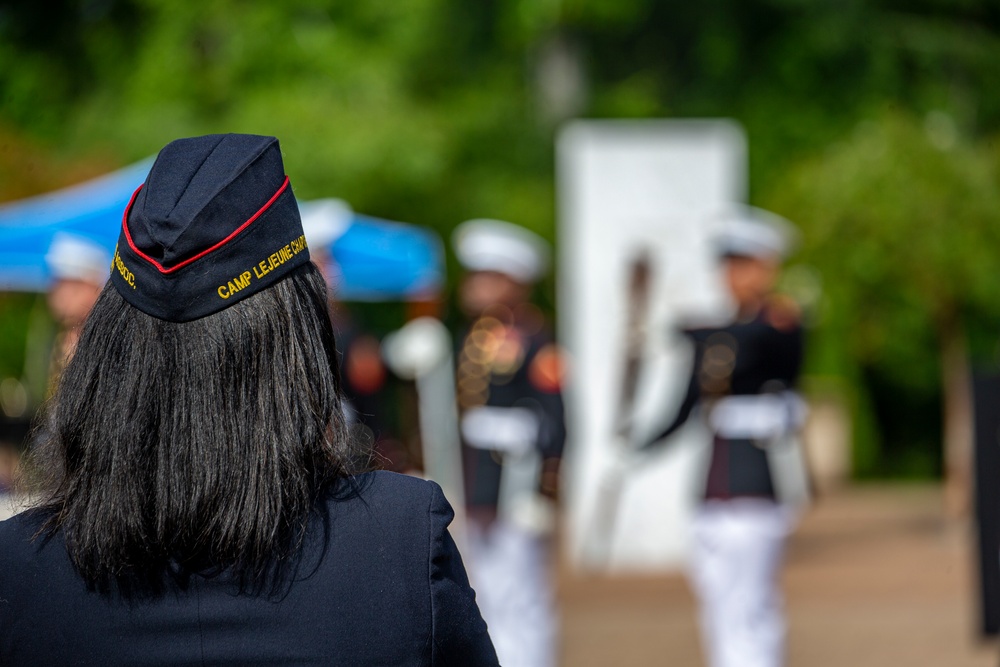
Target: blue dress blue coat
(378, 581)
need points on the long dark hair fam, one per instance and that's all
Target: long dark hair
(206, 443)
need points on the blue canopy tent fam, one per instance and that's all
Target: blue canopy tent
(378, 260)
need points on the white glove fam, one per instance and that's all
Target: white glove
(509, 430)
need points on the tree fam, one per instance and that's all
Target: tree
(902, 220)
(435, 111)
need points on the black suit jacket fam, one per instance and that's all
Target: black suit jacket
(378, 582)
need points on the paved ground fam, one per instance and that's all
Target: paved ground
(875, 578)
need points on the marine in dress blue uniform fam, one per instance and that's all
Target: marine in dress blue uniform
(508, 379)
(368, 386)
(743, 377)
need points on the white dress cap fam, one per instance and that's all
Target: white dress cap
(324, 220)
(748, 231)
(495, 245)
(72, 257)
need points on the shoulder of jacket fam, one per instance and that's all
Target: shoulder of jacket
(392, 488)
(18, 536)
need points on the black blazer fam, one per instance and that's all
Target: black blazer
(379, 582)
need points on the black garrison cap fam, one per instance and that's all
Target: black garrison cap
(215, 222)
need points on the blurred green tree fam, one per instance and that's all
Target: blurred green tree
(902, 219)
(434, 111)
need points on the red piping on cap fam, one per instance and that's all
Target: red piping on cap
(159, 267)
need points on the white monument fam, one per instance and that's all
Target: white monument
(626, 188)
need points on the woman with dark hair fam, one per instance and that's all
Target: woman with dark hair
(201, 500)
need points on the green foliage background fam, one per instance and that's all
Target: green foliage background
(871, 123)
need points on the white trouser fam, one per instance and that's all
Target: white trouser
(509, 569)
(737, 549)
